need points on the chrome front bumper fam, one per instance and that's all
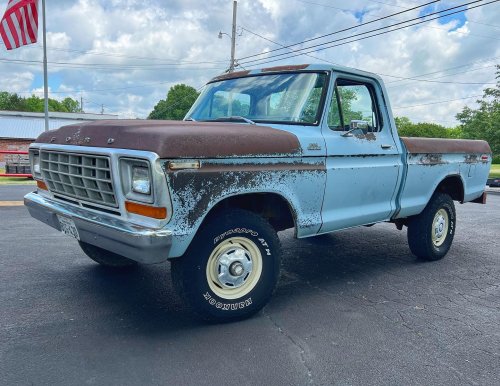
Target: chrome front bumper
(138, 243)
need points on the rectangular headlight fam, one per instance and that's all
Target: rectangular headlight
(137, 182)
(141, 182)
(35, 164)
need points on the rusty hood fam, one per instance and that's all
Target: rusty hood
(178, 139)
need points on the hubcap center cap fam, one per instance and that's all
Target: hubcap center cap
(236, 269)
(440, 226)
(234, 266)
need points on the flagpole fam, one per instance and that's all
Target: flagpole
(45, 81)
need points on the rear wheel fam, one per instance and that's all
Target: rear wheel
(430, 234)
(106, 258)
(231, 269)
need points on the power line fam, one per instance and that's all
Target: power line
(145, 85)
(436, 102)
(412, 106)
(393, 76)
(100, 53)
(439, 77)
(339, 31)
(282, 45)
(401, 7)
(359, 34)
(174, 61)
(446, 69)
(392, 18)
(104, 66)
(303, 51)
(438, 81)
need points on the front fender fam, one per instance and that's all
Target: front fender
(195, 192)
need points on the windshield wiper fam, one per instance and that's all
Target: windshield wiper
(234, 118)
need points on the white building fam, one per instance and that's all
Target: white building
(18, 129)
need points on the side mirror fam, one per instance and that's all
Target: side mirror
(359, 124)
(356, 124)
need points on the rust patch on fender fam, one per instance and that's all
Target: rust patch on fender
(254, 167)
(432, 159)
(471, 159)
(196, 191)
(438, 145)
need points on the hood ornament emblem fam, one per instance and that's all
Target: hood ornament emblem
(111, 140)
(68, 139)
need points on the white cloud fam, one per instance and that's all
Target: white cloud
(16, 81)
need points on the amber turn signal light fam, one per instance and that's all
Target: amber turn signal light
(41, 185)
(146, 210)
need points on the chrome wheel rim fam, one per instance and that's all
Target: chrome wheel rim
(440, 226)
(234, 267)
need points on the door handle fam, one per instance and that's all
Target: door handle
(386, 146)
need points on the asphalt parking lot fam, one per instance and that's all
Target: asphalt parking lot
(352, 308)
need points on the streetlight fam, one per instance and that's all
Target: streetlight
(233, 38)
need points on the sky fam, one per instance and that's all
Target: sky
(122, 56)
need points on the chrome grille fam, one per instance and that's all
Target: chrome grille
(86, 177)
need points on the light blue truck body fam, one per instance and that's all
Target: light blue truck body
(335, 180)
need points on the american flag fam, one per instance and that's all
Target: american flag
(19, 25)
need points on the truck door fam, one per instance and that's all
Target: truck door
(363, 162)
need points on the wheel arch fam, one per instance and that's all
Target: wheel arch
(270, 205)
(453, 185)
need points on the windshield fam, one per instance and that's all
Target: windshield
(290, 97)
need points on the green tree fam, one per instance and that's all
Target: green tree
(179, 100)
(347, 96)
(34, 104)
(406, 128)
(402, 124)
(484, 121)
(13, 102)
(71, 105)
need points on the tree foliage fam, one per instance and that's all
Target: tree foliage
(223, 106)
(484, 121)
(347, 97)
(179, 100)
(14, 102)
(406, 128)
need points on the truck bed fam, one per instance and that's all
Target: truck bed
(430, 161)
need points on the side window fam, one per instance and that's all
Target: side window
(334, 120)
(353, 105)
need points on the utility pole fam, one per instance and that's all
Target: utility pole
(233, 37)
(232, 65)
(81, 103)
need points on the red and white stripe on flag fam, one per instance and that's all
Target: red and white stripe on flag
(19, 25)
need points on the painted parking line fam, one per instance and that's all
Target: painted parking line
(11, 203)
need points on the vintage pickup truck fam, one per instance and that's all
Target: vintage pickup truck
(309, 147)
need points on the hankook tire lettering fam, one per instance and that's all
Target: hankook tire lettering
(227, 306)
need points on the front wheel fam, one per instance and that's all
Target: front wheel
(232, 267)
(430, 233)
